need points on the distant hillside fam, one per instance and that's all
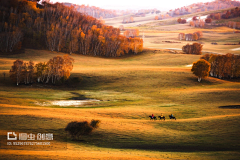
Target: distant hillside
(97, 12)
(200, 7)
(59, 28)
(108, 13)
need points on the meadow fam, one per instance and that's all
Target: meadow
(130, 89)
(154, 32)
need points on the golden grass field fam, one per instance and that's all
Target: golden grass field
(130, 89)
(157, 31)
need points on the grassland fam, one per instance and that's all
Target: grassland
(130, 89)
(155, 34)
(157, 31)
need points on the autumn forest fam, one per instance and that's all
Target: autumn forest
(60, 28)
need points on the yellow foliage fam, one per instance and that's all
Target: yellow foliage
(33, 5)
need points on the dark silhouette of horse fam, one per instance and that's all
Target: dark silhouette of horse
(161, 117)
(172, 117)
(153, 118)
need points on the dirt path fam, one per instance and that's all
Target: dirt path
(236, 49)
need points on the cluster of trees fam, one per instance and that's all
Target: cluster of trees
(200, 7)
(97, 12)
(208, 20)
(180, 11)
(128, 20)
(234, 25)
(180, 20)
(59, 28)
(231, 14)
(56, 69)
(224, 15)
(131, 32)
(215, 16)
(78, 129)
(223, 66)
(195, 48)
(164, 16)
(197, 23)
(148, 11)
(190, 36)
(214, 5)
(93, 11)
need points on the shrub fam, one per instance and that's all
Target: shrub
(183, 21)
(179, 20)
(95, 123)
(77, 129)
(208, 20)
(194, 18)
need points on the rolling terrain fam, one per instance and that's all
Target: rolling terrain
(155, 32)
(129, 89)
(122, 92)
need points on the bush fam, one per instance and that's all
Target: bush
(182, 21)
(208, 20)
(95, 123)
(77, 129)
(194, 18)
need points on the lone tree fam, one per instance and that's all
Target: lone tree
(201, 69)
(78, 129)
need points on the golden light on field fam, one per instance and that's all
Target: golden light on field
(100, 105)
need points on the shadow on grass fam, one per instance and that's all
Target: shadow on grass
(75, 82)
(230, 107)
(206, 81)
(102, 140)
(32, 124)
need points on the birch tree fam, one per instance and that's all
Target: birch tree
(16, 71)
(201, 69)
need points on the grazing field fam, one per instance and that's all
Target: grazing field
(154, 32)
(129, 89)
(155, 35)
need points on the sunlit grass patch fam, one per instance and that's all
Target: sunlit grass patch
(129, 89)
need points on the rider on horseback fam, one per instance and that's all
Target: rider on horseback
(161, 115)
(152, 115)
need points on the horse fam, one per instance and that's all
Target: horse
(153, 118)
(172, 117)
(161, 117)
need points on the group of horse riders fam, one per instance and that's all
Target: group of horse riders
(161, 115)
